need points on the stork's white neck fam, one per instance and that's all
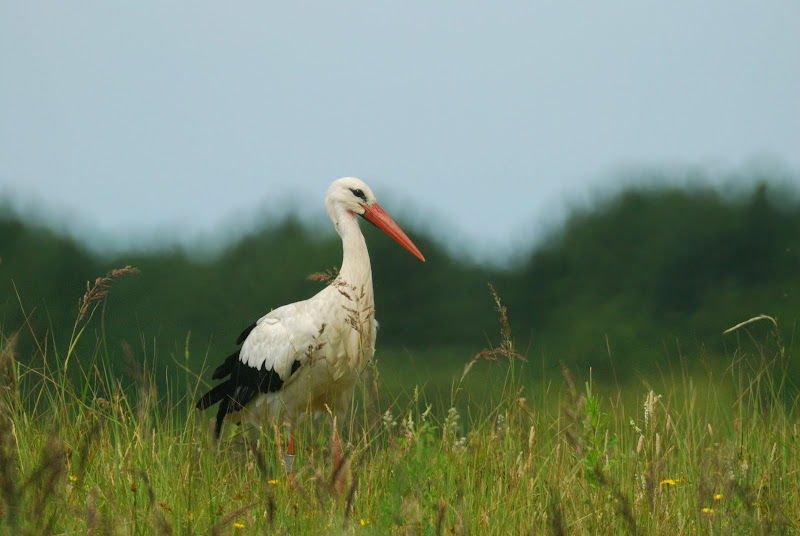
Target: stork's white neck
(356, 269)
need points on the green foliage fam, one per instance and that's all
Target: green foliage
(596, 439)
(709, 454)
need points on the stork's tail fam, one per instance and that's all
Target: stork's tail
(213, 396)
(221, 394)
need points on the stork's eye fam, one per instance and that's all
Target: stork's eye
(359, 193)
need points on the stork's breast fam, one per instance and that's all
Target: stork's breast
(347, 351)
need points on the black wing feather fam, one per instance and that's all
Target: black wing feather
(226, 367)
(243, 335)
(243, 384)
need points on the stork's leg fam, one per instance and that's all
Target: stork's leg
(288, 458)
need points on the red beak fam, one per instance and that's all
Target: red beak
(377, 216)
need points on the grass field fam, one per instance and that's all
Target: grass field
(708, 452)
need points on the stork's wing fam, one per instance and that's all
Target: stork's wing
(274, 348)
(279, 343)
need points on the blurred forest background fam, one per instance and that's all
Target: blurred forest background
(623, 287)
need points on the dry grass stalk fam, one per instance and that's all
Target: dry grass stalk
(573, 412)
(349, 502)
(228, 519)
(750, 321)
(353, 484)
(506, 348)
(99, 290)
(440, 517)
(555, 518)
(8, 472)
(6, 359)
(325, 276)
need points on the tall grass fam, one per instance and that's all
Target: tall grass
(683, 453)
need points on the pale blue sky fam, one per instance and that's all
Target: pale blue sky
(484, 119)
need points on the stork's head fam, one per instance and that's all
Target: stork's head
(354, 196)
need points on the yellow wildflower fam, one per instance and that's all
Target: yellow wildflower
(363, 522)
(718, 496)
(73, 478)
(272, 482)
(668, 482)
(707, 510)
(237, 525)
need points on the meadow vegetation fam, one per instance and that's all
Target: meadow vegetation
(713, 453)
(642, 390)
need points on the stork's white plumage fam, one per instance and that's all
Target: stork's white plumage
(307, 355)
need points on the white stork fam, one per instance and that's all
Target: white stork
(307, 356)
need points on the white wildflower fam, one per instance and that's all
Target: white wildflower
(451, 422)
(389, 422)
(408, 426)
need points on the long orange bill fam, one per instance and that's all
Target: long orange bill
(378, 217)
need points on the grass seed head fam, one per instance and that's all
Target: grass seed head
(99, 290)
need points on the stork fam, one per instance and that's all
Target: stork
(306, 357)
